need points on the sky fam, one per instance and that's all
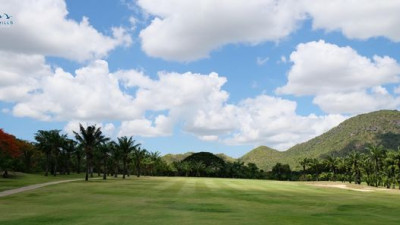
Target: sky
(204, 75)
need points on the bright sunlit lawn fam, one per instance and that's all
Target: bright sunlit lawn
(197, 201)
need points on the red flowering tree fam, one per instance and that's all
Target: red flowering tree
(9, 150)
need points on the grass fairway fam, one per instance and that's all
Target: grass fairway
(197, 201)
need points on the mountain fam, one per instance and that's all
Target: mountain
(263, 156)
(170, 158)
(381, 127)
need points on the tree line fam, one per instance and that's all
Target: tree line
(376, 166)
(90, 152)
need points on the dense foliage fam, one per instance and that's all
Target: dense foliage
(9, 150)
(376, 167)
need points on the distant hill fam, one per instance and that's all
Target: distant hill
(381, 127)
(264, 157)
(226, 158)
(170, 158)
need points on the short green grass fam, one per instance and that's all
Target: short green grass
(157, 200)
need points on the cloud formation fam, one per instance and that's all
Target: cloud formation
(355, 19)
(341, 80)
(195, 103)
(42, 27)
(188, 30)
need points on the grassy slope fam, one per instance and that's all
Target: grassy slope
(377, 127)
(264, 157)
(197, 201)
(22, 179)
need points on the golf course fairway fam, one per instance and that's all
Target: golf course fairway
(165, 200)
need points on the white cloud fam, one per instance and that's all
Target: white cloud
(163, 126)
(357, 102)
(338, 76)
(42, 27)
(283, 59)
(108, 129)
(320, 67)
(261, 61)
(188, 30)
(355, 18)
(273, 121)
(92, 94)
(196, 103)
(20, 74)
(133, 22)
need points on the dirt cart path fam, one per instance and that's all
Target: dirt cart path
(33, 187)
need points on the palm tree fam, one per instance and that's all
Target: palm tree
(332, 164)
(368, 168)
(390, 169)
(304, 163)
(186, 168)
(155, 161)
(198, 167)
(315, 166)
(89, 139)
(50, 143)
(126, 146)
(69, 148)
(78, 156)
(105, 150)
(115, 157)
(396, 158)
(355, 162)
(138, 155)
(377, 153)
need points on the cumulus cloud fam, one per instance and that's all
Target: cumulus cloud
(338, 76)
(20, 74)
(196, 103)
(42, 27)
(92, 93)
(108, 129)
(272, 120)
(357, 102)
(355, 19)
(188, 30)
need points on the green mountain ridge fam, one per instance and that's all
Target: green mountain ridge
(380, 127)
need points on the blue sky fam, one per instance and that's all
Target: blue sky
(221, 76)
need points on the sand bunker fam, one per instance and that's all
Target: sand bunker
(344, 186)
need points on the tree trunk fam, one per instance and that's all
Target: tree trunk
(105, 169)
(79, 165)
(116, 170)
(124, 172)
(91, 169)
(5, 173)
(87, 168)
(47, 165)
(138, 170)
(55, 166)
